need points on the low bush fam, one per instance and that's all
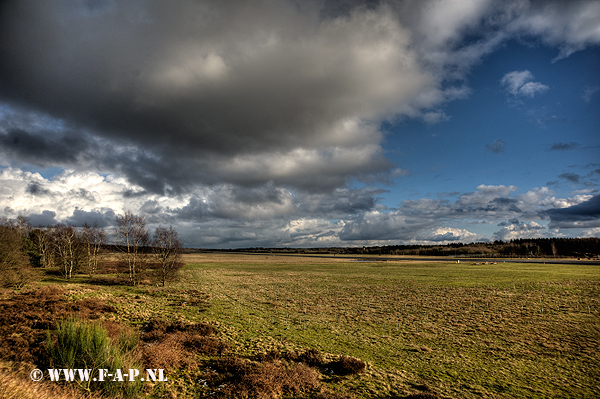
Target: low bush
(347, 365)
(247, 379)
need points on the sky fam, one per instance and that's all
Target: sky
(304, 123)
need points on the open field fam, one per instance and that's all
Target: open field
(465, 330)
(439, 329)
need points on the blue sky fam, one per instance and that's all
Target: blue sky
(455, 153)
(324, 123)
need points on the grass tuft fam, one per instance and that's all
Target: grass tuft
(80, 344)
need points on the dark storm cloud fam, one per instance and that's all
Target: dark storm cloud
(104, 218)
(43, 148)
(46, 218)
(248, 122)
(267, 202)
(384, 226)
(35, 188)
(585, 214)
(209, 92)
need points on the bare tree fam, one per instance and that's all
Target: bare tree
(94, 238)
(167, 250)
(132, 235)
(44, 245)
(68, 247)
(22, 225)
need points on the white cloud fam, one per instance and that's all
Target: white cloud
(589, 92)
(519, 83)
(514, 230)
(595, 232)
(445, 235)
(571, 25)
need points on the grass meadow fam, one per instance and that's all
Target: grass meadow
(461, 330)
(426, 329)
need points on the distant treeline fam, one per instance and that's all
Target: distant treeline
(527, 247)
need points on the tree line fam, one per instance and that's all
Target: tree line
(524, 247)
(72, 250)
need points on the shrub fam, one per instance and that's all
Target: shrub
(346, 365)
(80, 344)
(15, 270)
(311, 357)
(205, 345)
(246, 379)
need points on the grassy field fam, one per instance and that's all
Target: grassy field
(439, 329)
(463, 330)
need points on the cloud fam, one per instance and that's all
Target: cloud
(589, 92)
(203, 93)
(570, 25)
(572, 177)
(585, 214)
(252, 123)
(564, 146)
(514, 229)
(444, 235)
(200, 92)
(497, 147)
(46, 218)
(237, 216)
(520, 84)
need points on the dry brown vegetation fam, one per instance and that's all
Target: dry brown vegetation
(27, 315)
(173, 344)
(15, 383)
(168, 345)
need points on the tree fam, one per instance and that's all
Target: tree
(68, 249)
(42, 241)
(132, 235)
(94, 238)
(167, 250)
(15, 270)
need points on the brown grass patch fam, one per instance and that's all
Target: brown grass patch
(241, 378)
(15, 383)
(25, 317)
(347, 365)
(168, 344)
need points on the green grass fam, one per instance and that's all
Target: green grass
(465, 330)
(85, 344)
(462, 330)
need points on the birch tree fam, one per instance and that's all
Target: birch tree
(167, 251)
(94, 238)
(132, 235)
(67, 248)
